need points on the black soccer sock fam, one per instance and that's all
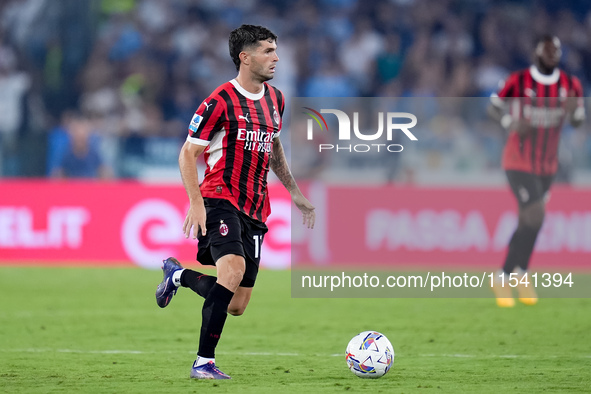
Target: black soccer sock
(214, 313)
(521, 247)
(529, 242)
(198, 282)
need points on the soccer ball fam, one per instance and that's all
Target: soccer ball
(370, 355)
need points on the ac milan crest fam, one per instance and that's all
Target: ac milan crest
(275, 116)
(223, 228)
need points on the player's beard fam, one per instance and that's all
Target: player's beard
(261, 76)
(546, 68)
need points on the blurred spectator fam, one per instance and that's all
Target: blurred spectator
(14, 85)
(58, 142)
(487, 76)
(81, 157)
(330, 81)
(389, 60)
(357, 55)
(179, 109)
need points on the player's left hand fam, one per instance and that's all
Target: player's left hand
(306, 207)
(571, 102)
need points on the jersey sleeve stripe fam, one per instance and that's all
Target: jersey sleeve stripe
(197, 141)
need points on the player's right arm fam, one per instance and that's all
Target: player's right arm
(499, 102)
(206, 122)
(196, 215)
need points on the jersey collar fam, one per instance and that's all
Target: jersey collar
(544, 79)
(246, 93)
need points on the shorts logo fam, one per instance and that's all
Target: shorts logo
(223, 228)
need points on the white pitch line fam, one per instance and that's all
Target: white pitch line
(280, 354)
(47, 350)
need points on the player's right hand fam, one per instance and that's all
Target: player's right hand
(196, 217)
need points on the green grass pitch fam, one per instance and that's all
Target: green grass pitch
(87, 330)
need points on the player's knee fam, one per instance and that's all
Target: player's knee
(237, 263)
(231, 271)
(536, 217)
(533, 215)
(236, 311)
(537, 223)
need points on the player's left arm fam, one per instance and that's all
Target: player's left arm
(575, 106)
(278, 164)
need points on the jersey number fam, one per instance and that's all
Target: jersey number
(257, 245)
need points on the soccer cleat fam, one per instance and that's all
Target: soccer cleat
(166, 289)
(503, 294)
(207, 371)
(505, 302)
(525, 290)
(527, 294)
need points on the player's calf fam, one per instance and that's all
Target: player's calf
(240, 300)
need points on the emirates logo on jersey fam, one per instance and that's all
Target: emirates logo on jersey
(544, 116)
(224, 228)
(256, 140)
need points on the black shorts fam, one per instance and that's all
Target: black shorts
(529, 188)
(230, 231)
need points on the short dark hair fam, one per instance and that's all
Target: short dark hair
(247, 36)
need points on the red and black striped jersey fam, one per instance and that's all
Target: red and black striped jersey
(540, 100)
(238, 128)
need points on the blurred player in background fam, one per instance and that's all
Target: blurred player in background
(237, 127)
(533, 105)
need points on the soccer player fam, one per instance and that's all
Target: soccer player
(237, 128)
(533, 105)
